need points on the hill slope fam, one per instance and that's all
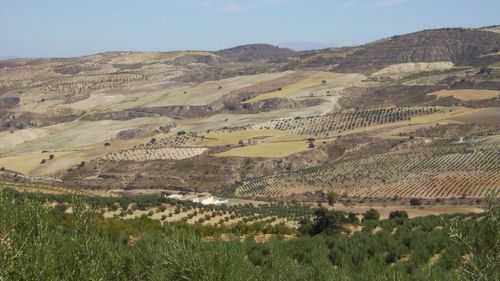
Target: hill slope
(255, 52)
(457, 45)
(258, 120)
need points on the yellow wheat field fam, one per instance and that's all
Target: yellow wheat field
(467, 94)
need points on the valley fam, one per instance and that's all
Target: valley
(277, 124)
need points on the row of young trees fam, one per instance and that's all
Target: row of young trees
(405, 174)
(340, 122)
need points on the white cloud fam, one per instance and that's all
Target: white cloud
(348, 4)
(275, 2)
(236, 6)
(389, 2)
(220, 6)
(377, 3)
(231, 7)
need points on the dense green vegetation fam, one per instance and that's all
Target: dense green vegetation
(41, 243)
(290, 210)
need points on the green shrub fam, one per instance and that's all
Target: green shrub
(398, 215)
(415, 202)
(371, 214)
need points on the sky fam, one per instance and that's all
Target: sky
(64, 28)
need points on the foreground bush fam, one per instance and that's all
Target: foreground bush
(40, 243)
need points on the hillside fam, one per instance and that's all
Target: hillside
(414, 115)
(255, 52)
(457, 45)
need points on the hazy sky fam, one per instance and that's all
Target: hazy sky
(57, 28)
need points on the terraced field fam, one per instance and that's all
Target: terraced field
(340, 122)
(155, 154)
(436, 173)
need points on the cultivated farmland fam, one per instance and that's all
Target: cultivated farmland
(155, 154)
(443, 172)
(341, 122)
(394, 118)
(468, 95)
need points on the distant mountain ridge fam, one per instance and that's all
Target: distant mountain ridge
(458, 45)
(7, 58)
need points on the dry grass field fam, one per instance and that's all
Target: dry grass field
(169, 94)
(467, 95)
(480, 116)
(267, 150)
(314, 83)
(70, 135)
(221, 138)
(397, 71)
(26, 164)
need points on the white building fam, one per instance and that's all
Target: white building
(213, 201)
(175, 196)
(203, 198)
